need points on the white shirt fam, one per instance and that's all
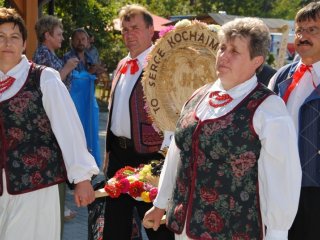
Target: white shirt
(63, 117)
(299, 94)
(120, 119)
(279, 170)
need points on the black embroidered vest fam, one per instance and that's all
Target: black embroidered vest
(216, 191)
(30, 153)
(145, 138)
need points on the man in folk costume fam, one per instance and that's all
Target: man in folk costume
(232, 170)
(131, 137)
(298, 85)
(41, 141)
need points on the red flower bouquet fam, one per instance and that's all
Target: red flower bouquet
(140, 183)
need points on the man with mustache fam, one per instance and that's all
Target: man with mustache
(132, 138)
(79, 44)
(298, 85)
(82, 92)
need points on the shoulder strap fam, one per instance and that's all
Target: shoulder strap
(37, 70)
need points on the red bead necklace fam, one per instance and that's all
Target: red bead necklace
(6, 84)
(218, 99)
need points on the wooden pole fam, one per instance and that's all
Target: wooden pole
(31, 19)
(28, 9)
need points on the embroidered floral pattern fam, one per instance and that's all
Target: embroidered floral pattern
(20, 103)
(243, 164)
(216, 191)
(146, 138)
(208, 195)
(38, 161)
(15, 133)
(213, 221)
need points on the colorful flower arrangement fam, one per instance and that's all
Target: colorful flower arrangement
(139, 183)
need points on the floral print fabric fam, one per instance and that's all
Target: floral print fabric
(43, 56)
(30, 152)
(216, 190)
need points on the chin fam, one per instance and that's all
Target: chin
(221, 73)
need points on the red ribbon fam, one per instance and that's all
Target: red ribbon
(296, 78)
(219, 99)
(134, 67)
(6, 84)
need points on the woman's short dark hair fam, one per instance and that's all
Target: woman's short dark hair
(10, 15)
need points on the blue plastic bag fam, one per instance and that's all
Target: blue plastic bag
(83, 95)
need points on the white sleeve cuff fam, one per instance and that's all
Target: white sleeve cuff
(160, 205)
(276, 235)
(87, 176)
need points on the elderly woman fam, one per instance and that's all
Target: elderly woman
(233, 166)
(49, 31)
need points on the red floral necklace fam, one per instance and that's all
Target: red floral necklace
(6, 84)
(218, 99)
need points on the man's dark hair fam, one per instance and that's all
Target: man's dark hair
(78, 30)
(308, 12)
(132, 10)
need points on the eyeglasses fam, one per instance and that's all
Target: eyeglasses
(310, 30)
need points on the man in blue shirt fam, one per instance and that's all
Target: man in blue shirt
(82, 90)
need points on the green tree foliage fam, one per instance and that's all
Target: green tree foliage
(280, 8)
(169, 7)
(97, 17)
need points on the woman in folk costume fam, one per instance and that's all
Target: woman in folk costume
(42, 141)
(233, 167)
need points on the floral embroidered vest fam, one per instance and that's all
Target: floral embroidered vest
(145, 137)
(29, 153)
(216, 190)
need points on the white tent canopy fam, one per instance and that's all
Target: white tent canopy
(275, 25)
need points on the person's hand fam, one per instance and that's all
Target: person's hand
(97, 69)
(153, 217)
(83, 193)
(72, 63)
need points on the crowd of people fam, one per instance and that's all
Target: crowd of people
(243, 162)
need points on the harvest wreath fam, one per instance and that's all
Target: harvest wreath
(181, 61)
